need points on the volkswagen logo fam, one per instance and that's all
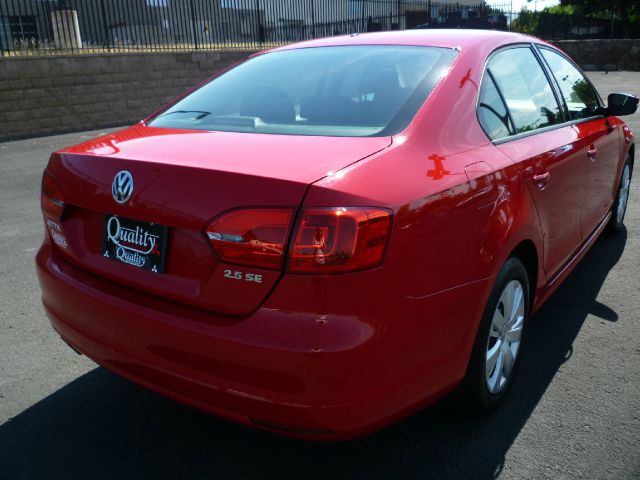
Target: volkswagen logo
(122, 187)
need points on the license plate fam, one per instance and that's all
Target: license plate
(140, 244)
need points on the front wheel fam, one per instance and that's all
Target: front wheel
(616, 222)
(495, 355)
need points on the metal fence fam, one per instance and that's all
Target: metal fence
(37, 27)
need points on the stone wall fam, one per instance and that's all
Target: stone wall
(603, 54)
(48, 95)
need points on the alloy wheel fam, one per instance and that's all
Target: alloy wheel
(505, 334)
(623, 195)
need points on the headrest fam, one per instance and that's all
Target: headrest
(379, 79)
(333, 110)
(271, 104)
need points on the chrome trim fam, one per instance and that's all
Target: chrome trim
(122, 187)
(518, 136)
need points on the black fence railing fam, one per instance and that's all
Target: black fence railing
(574, 27)
(36, 27)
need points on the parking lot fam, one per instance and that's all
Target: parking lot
(573, 412)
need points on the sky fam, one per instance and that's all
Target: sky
(540, 4)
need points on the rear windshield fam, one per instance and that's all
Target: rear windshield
(348, 91)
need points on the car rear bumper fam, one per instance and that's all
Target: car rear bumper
(321, 377)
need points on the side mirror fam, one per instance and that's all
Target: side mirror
(622, 104)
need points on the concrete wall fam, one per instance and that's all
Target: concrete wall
(47, 95)
(604, 54)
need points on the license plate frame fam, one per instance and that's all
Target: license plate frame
(136, 243)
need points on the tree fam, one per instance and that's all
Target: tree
(620, 12)
(526, 22)
(625, 10)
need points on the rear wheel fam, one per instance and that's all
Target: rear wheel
(619, 208)
(495, 355)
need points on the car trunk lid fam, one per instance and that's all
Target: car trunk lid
(182, 180)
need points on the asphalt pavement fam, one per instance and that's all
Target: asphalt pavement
(573, 412)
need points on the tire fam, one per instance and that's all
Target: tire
(619, 208)
(488, 375)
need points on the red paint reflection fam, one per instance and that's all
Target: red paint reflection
(438, 172)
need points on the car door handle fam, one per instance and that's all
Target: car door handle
(541, 180)
(591, 153)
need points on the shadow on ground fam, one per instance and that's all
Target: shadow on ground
(102, 426)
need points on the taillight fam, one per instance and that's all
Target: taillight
(51, 199)
(327, 240)
(333, 240)
(255, 237)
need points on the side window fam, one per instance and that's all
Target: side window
(525, 88)
(580, 97)
(492, 112)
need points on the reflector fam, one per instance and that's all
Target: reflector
(51, 199)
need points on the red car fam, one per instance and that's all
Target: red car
(334, 234)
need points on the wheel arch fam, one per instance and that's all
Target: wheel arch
(527, 253)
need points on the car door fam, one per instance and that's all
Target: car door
(521, 113)
(601, 142)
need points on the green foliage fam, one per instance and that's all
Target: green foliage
(561, 10)
(626, 10)
(527, 22)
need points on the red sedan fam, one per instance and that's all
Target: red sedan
(334, 234)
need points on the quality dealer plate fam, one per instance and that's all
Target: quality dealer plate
(140, 244)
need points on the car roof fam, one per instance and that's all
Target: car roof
(447, 38)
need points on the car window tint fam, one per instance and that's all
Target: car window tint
(348, 83)
(331, 91)
(525, 88)
(580, 97)
(492, 112)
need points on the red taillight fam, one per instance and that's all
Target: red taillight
(255, 237)
(333, 240)
(327, 240)
(51, 199)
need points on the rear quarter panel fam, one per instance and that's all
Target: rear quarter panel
(453, 226)
(451, 234)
